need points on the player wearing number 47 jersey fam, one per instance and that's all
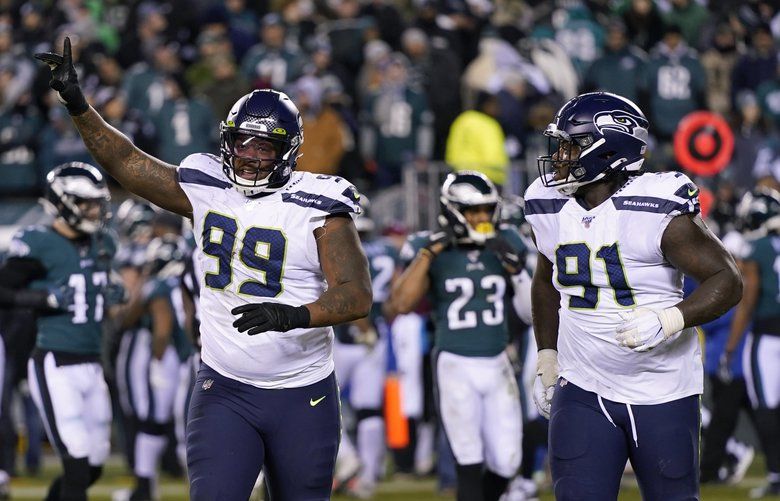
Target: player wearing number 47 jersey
(280, 262)
(63, 270)
(620, 367)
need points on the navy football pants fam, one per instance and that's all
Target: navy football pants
(235, 429)
(588, 452)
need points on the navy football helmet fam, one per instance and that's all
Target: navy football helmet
(593, 135)
(758, 213)
(462, 190)
(72, 184)
(265, 115)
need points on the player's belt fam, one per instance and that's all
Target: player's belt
(65, 358)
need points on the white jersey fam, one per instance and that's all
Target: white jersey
(261, 249)
(608, 260)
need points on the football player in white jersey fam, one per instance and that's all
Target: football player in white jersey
(281, 262)
(619, 367)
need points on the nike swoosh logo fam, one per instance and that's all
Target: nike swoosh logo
(313, 402)
(692, 192)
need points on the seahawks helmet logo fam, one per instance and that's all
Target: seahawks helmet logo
(616, 120)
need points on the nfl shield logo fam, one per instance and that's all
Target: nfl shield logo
(207, 384)
(587, 220)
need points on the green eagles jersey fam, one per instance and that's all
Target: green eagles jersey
(184, 126)
(766, 253)
(675, 85)
(170, 290)
(468, 292)
(84, 266)
(382, 263)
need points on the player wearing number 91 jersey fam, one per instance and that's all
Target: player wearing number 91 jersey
(614, 243)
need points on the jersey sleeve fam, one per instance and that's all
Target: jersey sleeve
(541, 208)
(27, 243)
(650, 202)
(199, 174)
(325, 196)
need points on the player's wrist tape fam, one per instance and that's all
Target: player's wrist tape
(547, 366)
(672, 320)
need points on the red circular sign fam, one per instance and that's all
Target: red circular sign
(703, 143)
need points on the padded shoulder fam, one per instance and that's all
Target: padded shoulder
(671, 193)
(327, 194)
(202, 169)
(539, 199)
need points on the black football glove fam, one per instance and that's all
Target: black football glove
(442, 235)
(262, 317)
(511, 258)
(64, 79)
(57, 298)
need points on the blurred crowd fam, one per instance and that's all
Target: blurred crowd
(383, 84)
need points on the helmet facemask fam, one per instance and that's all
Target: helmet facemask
(238, 143)
(258, 120)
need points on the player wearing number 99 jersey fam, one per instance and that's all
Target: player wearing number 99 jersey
(280, 261)
(619, 365)
(63, 270)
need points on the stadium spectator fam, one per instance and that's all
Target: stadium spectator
(718, 61)
(618, 69)
(325, 135)
(272, 63)
(758, 65)
(476, 141)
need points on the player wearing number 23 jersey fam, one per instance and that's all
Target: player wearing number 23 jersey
(619, 367)
(466, 269)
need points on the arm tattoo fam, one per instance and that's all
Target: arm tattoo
(346, 270)
(140, 173)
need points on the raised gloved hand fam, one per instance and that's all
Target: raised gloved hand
(546, 376)
(512, 259)
(643, 329)
(440, 239)
(262, 317)
(64, 79)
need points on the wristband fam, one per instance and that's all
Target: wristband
(672, 320)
